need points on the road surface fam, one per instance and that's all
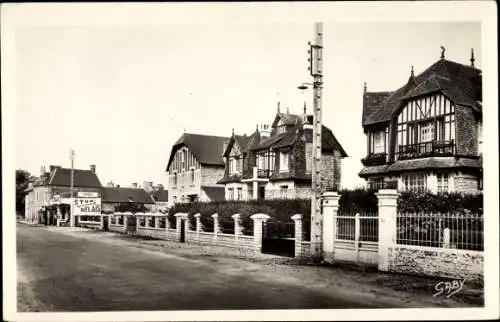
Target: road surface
(60, 272)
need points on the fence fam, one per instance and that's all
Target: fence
(460, 231)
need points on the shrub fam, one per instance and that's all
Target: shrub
(358, 200)
(428, 202)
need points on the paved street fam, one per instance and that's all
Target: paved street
(92, 272)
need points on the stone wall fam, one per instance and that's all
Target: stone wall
(466, 131)
(467, 183)
(211, 174)
(441, 262)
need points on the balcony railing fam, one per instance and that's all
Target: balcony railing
(264, 173)
(426, 149)
(375, 159)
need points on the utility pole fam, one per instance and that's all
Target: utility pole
(72, 180)
(316, 71)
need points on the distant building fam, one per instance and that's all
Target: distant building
(427, 135)
(55, 184)
(194, 167)
(116, 196)
(275, 161)
(160, 197)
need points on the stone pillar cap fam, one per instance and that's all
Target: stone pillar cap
(128, 213)
(260, 216)
(139, 214)
(215, 215)
(387, 192)
(198, 215)
(235, 216)
(181, 214)
(330, 194)
(297, 217)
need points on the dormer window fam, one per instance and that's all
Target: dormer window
(281, 128)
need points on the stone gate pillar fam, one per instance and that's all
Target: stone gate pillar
(258, 220)
(387, 227)
(330, 209)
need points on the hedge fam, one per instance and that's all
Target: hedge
(427, 202)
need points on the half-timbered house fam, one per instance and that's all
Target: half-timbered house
(275, 161)
(427, 135)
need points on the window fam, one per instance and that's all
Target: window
(230, 193)
(261, 161)
(415, 182)
(376, 183)
(237, 160)
(192, 176)
(175, 199)
(283, 191)
(240, 194)
(283, 162)
(379, 142)
(442, 182)
(175, 179)
(427, 132)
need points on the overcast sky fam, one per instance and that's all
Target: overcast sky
(122, 94)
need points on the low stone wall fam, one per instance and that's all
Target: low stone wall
(306, 249)
(118, 228)
(90, 224)
(441, 262)
(152, 232)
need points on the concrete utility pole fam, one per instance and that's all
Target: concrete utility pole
(316, 71)
(71, 184)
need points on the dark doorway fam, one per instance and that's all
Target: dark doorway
(105, 223)
(261, 193)
(183, 231)
(278, 238)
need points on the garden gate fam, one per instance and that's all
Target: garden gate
(356, 238)
(278, 238)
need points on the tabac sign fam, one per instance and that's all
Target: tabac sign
(87, 206)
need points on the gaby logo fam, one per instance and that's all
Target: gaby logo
(448, 288)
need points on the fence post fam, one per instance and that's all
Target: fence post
(446, 238)
(298, 234)
(198, 226)
(101, 223)
(387, 226)
(357, 226)
(237, 230)
(258, 219)
(178, 222)
(330, 209)
(157, 220)
(216, 225)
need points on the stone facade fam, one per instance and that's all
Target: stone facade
(466, 131)
(467, 183)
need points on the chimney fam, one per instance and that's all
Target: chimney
(147, 185)
(92, 168)
(265, 130)
(42, 171)
(110, 184)
(134, 185)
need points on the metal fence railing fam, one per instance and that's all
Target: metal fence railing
(357, 227)
(460, 231)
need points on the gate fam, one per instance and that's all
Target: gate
(278, 238)
(131, 225)
(183, 231)
(105, 223)
(356, 238)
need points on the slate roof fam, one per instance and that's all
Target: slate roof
(275, 141)
(207, 149)
(243, 141)
(119, 194)
(460, 83)
(160, 195)
(214, 193)
(62, 177)
(424, 163)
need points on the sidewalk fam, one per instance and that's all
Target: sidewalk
(408, 289)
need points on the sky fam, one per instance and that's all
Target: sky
(120, 95)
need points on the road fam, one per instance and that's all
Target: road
(59, 272)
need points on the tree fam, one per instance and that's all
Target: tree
(22, 179)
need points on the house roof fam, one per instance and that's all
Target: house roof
(424, 163)
(207, 149)
(460, 83)
(214, 193)
(160, 195)
(62, 177)
(288, 138)
(243, 142)
(119, 194)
